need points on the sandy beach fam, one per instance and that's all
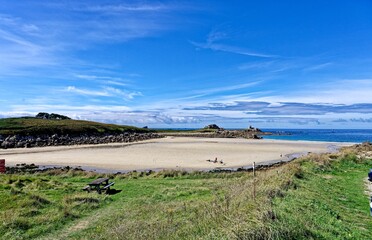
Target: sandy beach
(167, 153)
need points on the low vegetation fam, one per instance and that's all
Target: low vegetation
(318, 197)
(38, 126)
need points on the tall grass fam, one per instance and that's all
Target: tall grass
(299, 200)
(317, 197)
(231, 211)
(32, 205)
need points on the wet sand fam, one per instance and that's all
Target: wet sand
(167, 153)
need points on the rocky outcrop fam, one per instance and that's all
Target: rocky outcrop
(249, 133)
(16, 141)
(54, 116)
(222, 133)
(212, 126)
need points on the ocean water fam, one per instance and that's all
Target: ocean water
(327, 135)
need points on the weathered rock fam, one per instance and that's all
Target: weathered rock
(55, 140)
(212, 126)
(7, 144)
(256, 137)
(251, 133)
(20, 144)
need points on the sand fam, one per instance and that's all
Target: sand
(167, 153)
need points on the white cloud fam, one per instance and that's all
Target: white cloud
(87, 92)
(224, 89)
(104, 79)
(121, 93)
(35, 108)
(104, 92)
(349, 91)
(31, 40)
(231, 49)
(212, 43)
(318, 66)
(128, 8)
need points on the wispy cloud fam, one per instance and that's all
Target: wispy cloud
(87, 92)
(231, 49)
(361, 120)
(29, 40)
(212, 43)
(335, 91)
(120, 22)
(18, 53)
(286, 120)
(31, 110)
(109, 114)
(225, 88)
(318, 66)
(287, 108)
(137, 7)
(104, 79)
(104, 92)
(309, 64)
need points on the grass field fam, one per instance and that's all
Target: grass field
(35, 126)
(319, 197)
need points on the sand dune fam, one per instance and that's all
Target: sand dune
(166, 153)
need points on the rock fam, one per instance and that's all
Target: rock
(11, 138)
(53, 116)
(7, 144)
(212, 126)
(20, 144)
(55, 140)
(256, 137)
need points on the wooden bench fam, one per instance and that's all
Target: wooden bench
(100, 184)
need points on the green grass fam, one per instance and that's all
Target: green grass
(329, 202)
(34, 126)
(319, 197)
(32, 205)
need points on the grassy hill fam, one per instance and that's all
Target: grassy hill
(35, 126)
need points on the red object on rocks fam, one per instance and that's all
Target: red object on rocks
(2, 165)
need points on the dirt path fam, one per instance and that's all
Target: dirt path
(80, 224)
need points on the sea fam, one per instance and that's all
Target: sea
(327, 135)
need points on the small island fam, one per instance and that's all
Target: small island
(214, 131)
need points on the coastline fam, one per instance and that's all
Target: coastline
(176, 153)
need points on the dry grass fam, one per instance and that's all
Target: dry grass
(237, 208)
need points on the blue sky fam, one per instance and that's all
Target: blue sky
(270, 64)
